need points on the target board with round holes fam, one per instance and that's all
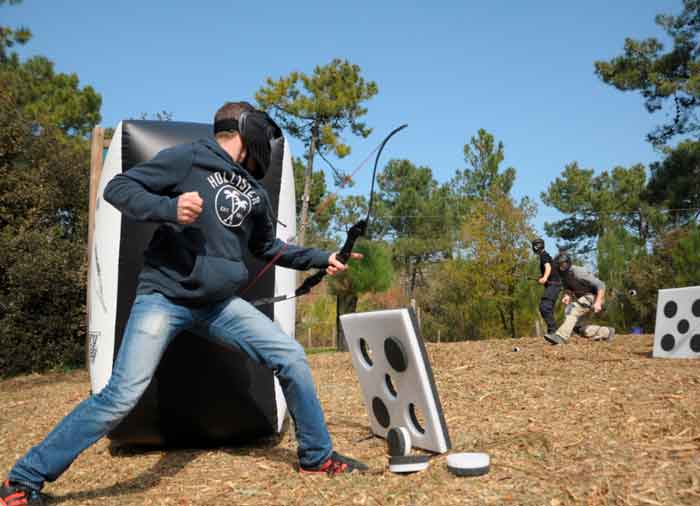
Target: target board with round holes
(677, 332)
(397, 381)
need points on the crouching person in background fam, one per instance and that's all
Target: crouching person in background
(583, 293)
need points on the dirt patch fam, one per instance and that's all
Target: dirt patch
(587, 423)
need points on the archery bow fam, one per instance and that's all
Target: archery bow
(355, 232)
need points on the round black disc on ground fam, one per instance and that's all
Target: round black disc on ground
(395, 354)
(695, 343)
(668, 342)
(683, 326)
(399, 441)
(409, 463)
(670, 309)
(696, 308)
(380, 412)
(468, 464)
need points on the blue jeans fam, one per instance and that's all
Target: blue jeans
(153, 324)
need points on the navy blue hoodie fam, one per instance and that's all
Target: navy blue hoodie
(202, 262)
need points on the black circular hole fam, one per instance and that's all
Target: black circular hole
(380, 412)
(670, 309)
(668, 342)
(416, 418)
(395, 354)
(695, 343)
(683, 326)
(366, 352)
(696, 308)
(390, 385)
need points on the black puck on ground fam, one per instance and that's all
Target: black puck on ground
(468, 464)
(399, 441)
(403, 464)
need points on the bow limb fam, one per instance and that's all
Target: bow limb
(356, 231)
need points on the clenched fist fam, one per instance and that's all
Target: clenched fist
(189, 207)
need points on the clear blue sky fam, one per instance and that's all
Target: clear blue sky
(521, 70)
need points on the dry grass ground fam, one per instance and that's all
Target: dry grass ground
(588, 423)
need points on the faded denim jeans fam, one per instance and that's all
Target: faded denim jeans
(153, 323)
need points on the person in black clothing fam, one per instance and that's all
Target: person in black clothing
(552, 284)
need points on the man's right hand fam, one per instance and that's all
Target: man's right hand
(566, 299)
(189, 207)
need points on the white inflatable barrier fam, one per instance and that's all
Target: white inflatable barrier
(202, 394)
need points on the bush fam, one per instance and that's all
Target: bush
(43, 228)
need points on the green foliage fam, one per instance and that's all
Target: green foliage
(321, 205)
(374, 273)
(320, 105)
(43, 222)
(416, 213)
(315, 323)
(317, 109)
(51, 98)
(11, 36)
(663, 76)
(485, 293)
(483, 158)
(595, 203)
(616, 249)
(675, 183)
(452, 306)
(686, 259)
(672, 262)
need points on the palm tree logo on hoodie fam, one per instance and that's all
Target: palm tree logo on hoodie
(232, 206)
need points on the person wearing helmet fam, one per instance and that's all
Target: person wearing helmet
(549, 277)
(583, 293)
(210, 206)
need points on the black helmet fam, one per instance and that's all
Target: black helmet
(563, 262)
(538, 245)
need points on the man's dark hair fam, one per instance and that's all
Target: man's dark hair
(231, 111)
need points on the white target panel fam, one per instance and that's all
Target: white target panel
(397, 381)
(677, 332)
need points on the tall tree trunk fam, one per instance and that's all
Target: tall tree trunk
(301, 236)
(413, 276)
(344, 304)
(512, 322)
(502, 314)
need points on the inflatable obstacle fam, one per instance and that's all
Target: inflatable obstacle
(202, 394)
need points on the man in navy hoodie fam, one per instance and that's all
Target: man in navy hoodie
(211, 207)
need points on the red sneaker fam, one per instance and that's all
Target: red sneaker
(336, 464)
(18, 495)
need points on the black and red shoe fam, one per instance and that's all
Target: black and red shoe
(19, 495)
(336, 464)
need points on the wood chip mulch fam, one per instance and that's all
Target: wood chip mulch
(586, 423)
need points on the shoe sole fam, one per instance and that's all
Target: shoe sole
(555, 341)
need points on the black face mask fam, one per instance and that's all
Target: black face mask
(564, 264)
(538, 246)
(259, 132)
